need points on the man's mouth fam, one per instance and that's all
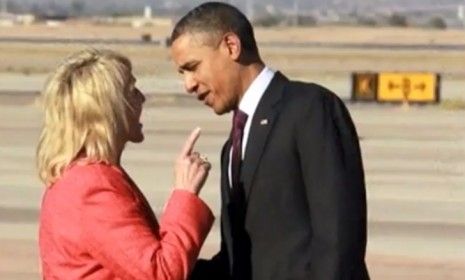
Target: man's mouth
(202, 96)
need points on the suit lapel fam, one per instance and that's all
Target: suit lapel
(262, 123)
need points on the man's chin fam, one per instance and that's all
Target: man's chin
(220, 110)
(219, 113)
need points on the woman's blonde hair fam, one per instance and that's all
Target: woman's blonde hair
(85, 111)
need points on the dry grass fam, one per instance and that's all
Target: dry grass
(453, 104)
(84, 29)
(355, 34)
(28, 58)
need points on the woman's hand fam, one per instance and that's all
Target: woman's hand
(191, 168)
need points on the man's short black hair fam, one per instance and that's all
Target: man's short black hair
(218, 18)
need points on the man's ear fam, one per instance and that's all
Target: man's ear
(233, 45)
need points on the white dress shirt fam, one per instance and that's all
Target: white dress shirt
(248, 105)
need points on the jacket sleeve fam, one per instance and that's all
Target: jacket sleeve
(215, 268)
(118, 235)
(332, 171)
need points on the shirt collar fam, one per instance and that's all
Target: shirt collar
(255, 91)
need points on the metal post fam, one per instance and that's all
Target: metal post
(296, 12)
(461, 14)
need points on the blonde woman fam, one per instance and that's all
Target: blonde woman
(94, 221)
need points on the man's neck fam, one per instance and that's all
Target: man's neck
(249, 74)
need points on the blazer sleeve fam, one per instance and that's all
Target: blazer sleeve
(215, 268)
(118, 235)
(332, 170)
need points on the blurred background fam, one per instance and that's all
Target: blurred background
(414, 154)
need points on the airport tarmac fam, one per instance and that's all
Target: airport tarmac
(414, 162)
(451, 88)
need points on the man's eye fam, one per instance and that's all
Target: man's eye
(192, 67)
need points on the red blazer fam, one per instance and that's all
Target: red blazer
(96, 224)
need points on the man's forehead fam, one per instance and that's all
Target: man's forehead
(189, 47)
(193, 39)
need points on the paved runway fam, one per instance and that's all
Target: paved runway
(415, 172)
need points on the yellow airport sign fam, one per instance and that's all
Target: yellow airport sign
(364, 86)
(408, 87)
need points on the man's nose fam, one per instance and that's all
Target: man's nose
(190, 83)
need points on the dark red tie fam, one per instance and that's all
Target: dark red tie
(239, 120)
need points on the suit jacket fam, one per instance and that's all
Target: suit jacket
(303, 212)
(96, 224)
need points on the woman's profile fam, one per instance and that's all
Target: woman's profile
(94, 222)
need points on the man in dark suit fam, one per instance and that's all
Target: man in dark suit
(292, 187)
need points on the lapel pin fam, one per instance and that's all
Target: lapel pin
(264, 122)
